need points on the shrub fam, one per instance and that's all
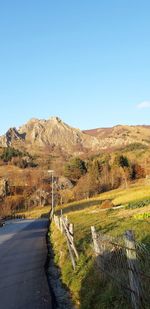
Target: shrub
(135, 146)
(11, 204)
(107, 204)
(15, 202)
(137, 171)
(145, 215)
(10, 153)
(75, 169)
(17, 157)
(138, 204)
(121, 161)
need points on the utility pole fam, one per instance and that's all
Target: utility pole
(52, 173)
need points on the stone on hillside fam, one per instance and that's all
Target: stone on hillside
(39, 198)
(64, 183)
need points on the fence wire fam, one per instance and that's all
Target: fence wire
(112, 261)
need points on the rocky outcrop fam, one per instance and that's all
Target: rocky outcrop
(55, 135)
(10, 137)
(52, 133)
(121, 135)
(64, 183)
(39, 198)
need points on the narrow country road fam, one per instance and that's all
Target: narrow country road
(23, 251)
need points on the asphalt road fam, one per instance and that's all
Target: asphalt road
(23, 283)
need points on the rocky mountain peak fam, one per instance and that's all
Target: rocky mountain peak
(39, 133)
(55, 119)
(56, 123)
(56, 134)
(11, 135)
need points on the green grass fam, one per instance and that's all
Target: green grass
(88, 288)
(134, 193)
(143, 216)
(138, 204)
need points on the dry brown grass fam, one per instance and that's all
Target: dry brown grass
(21, 177)
(39, 212)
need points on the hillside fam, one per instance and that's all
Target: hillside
(53, 135)
(85, 164)
(120, 135)
(90, 287)
(89, 164)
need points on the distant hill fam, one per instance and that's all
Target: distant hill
(121, 135)
(53, 134)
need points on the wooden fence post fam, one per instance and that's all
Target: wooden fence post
(69, 237)
(71, 254)
(66, 220)
(133, 271)
(71, 231)
(61, 225)
(99, 250)
(68, 229)
(95, 241)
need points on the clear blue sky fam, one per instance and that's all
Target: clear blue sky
(85, 61)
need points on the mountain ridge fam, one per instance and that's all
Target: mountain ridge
(53, 132)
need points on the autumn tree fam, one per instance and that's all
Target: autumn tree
(95, 169)
(137, 171)
(74, 169)
(123, 163)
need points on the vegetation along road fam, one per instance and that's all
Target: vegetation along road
(23, 251)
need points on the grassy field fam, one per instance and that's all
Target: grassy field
(35, 213)
(88, 289)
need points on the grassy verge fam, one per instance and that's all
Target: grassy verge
(89, 289)
(35, 213)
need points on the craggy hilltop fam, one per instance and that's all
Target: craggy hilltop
(40, 134)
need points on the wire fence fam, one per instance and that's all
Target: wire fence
(67, 229)
(122, 259)
(126, 262)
